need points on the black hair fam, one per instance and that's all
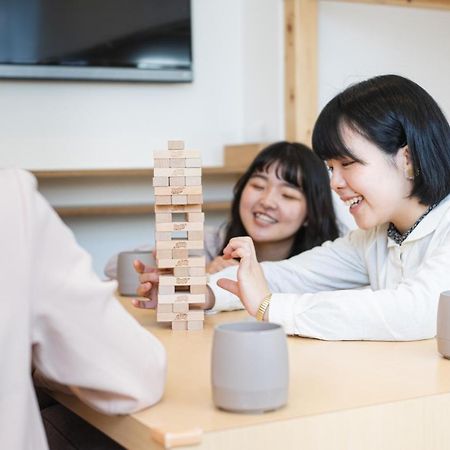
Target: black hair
(298, 165)
(392, 112)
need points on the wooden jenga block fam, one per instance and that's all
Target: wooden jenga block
(170, 290)
(195, 314)
(181, 297)
(194, 199)
(169, 437)
(180, 253)
(171, 154)
(179, 226)
(178, 208)
(164, 254)
(193, 162)
(163, 235)
(181, 271)
(179, 325)
(193, 181)
(180, 307)
(177, 190)
(197, 261)
(170, 263)
(165, 308)
(180, 199)
(198, 289)
(174, 172)
(178, 162)
(175, 145)
(162, 218)
(177, 181)
(197, 271)
(195, 235)
(180, 244)
(161, 163)
(195, 217)
(168, 280)
(160, 181)
(163, 199)
(194, 325)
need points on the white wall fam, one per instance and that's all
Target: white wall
(358, 41)
(234, 97)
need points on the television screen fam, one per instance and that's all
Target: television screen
(142, 40)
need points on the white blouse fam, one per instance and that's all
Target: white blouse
(362, 286)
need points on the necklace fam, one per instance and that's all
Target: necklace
(398, 237)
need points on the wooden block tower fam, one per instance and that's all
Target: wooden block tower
(179, 224)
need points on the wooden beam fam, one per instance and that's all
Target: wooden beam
(300, 69)
(127, 210)
(431, 4)
(123, 173)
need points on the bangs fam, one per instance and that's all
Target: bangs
(327, 141)
(286, 170)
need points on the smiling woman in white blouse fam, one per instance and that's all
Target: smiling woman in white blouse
(387, 145)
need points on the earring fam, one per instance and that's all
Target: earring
(409, 173)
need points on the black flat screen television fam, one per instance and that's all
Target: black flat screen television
(138, 40)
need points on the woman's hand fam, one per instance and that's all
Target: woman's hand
(148, 285)
(251, 286)
(219, 263)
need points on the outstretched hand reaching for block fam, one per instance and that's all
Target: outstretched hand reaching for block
(251, 285)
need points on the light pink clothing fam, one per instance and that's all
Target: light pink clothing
(59, 318)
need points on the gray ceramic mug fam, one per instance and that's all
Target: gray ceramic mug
(443, 324)
(127, 278)
(249, 367)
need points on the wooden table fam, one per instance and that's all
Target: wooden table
(343, 395)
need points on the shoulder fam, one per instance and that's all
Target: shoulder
(17, 177)
(441, 216)
(17, 186)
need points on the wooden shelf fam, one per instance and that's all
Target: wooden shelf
(122, 173)
(434, 4)
(122, 210)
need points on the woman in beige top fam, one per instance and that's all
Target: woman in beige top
(59, 320)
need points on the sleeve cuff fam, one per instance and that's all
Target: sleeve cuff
(224, 300)
(281, 311)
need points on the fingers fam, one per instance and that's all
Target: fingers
(152, 277)
(239, 247)
(229, 285)
(143, 290)
(219, 263)
(146, 304)
(139, 266)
